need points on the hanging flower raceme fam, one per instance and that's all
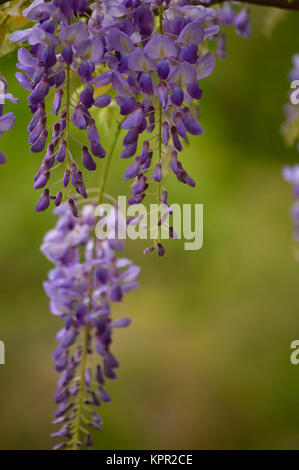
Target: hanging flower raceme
(154, 71)
(152, 66)
(62, 57)
(155, 75)
(7, 120)
(87, 279)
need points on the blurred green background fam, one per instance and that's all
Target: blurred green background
(205, 364)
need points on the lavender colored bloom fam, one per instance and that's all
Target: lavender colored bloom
(6, 120)
(242, 23)
(87, 276)
(87, 160)
(294, 74)
(150, 71)
(291, 176)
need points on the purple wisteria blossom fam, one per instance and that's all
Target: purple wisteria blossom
(62, 57)
(294, 74)
(291, 176)
(6, 120)
(232, 15)
(87, 279)
(153, 76)
(155, 73)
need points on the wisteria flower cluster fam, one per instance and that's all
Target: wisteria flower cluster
(153, 77)
(88, 277)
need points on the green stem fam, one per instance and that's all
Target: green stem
(76, 434)
(68, 104)
(103, 182)
(107, 166)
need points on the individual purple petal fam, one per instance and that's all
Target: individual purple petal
(177, 96)
(57, 101)
(91, 50)
(129, 150)
(74, 33)
(242, 23)
(102, 275)
(157, 173)
(133, 170)
(97, 150)
(93, 135)
(116, 294)
(43, 202)
(183, 74)
(104, 395)
(102, 101)
(123, 323)
(66, 178)
(21, 35)
(191, 123)
(205, 65)
(189, 54)
(78, 117)
(58, 199)
(104, 79)
(137, 199)
(140, 62)
(192, 33)
(144, 152)
(60, 157)
(175, 139)
(161, 47)
(140, 185)
(87, 160)
(165, 132)
(194, 90)
(134, 120)
(131, 136)
(211, 31)
(42, 180)
(146, 83)
(67, 54)
(163, 69)
(127, 106)
(119, 41)
(86, 97)
(7, 121)
(24, 81)
(144, 19)
(39, 92)
(39, 145)
(180, 125)
(163, 94)
(160, 249)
